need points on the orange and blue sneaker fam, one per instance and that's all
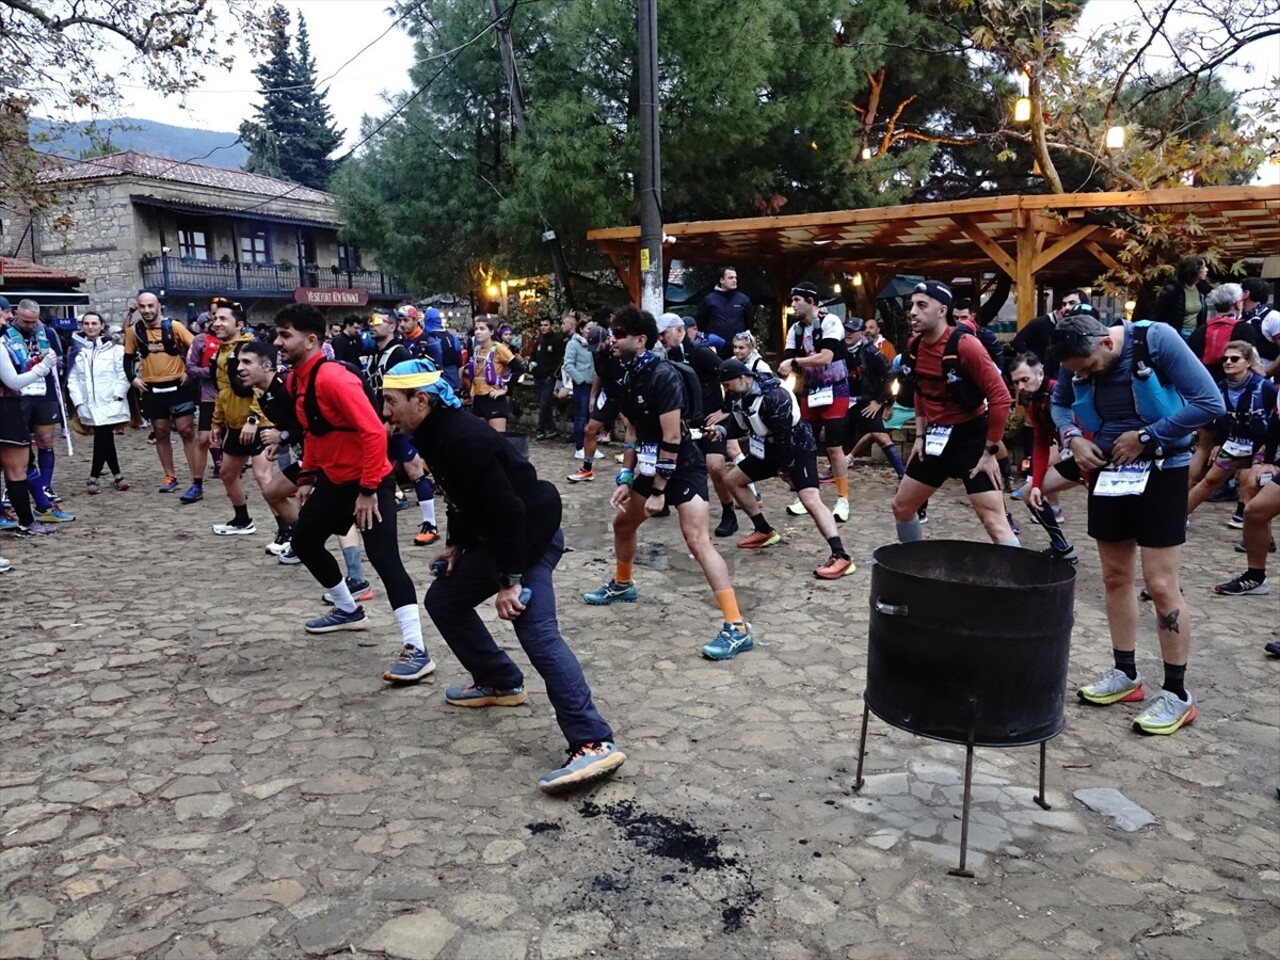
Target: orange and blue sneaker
(1166, 713)
(1114, 686)
(586, 764)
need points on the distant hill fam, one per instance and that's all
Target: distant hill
(145, 136)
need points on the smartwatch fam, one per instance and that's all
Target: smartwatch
(368, 491)
(992, 448)
(1145, 438)
(511, 579)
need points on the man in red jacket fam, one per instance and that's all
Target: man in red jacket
(345, 477)
(962, 404)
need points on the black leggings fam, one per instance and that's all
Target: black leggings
(104, 451)
(330, 511)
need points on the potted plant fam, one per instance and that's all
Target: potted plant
(285, 264)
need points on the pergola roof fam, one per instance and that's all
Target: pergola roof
(1028, 236)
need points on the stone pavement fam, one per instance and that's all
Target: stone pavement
(184, 773)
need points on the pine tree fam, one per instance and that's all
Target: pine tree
(318, 137)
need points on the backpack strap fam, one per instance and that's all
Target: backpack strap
(140, 337)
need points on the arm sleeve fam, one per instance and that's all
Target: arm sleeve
(12, 378)
(977, 363)
(1174, 362)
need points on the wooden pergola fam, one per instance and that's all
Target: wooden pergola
(1035, 239)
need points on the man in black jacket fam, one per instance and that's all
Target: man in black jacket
(504, 538)
(725, 311)
(548, 354)
(1034, 337)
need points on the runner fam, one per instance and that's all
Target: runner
(744, 349)
(961, 406)
(345, 478)
(662, 466)
(435, 346)
(155, 350)
(604, 397)
(869, 393)
(18, 371)
(1263, 490)
(504, 538)
(1141, 392)
(780, 443)
(488, 374)
(199, 357)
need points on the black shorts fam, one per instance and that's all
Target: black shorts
(167, 401)
(682, 486)
(960, 455)
(14, 431)
(713, 447)
(204, 416)
(802, 471)
(232, 447)
(1068, 469)
(1155, 518)
(859, 426)
(606, 408)
(40, 412)
(491, 408)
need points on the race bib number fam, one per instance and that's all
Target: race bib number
(1126, 480)
(601, 400)
(755, 446)
(822, 397)
(1235, 447)
(647, 460)
(935, 440)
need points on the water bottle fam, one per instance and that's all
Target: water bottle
(439, 567)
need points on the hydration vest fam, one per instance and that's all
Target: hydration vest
(965, 392)
(1152, 399)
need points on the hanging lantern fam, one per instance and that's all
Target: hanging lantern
(1022, 110)
(1115, 138)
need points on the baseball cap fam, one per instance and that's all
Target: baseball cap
(733, 368)
(854, 323)
(935, 290)
(4, 303)
(667, 321)
(1083, 310)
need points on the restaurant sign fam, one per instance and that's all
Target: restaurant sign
(327, 297)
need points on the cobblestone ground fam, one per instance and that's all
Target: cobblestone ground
(187, 774)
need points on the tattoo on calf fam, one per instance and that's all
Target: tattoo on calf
(1168, 621)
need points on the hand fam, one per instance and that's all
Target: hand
(1127, 448)
(367, 511)
(183, 378)
(508, 604)
(270, 436)
(917, 450)
(655, 504)
(138, 385)
(987, 464)
(1087, 453)
(718, 417)
(498, 392)
(1035, 499)
(247, 434)
(784, 368)
(872, 410)
(271, 450)
(304, 491)
(450, 556)
(621, 494)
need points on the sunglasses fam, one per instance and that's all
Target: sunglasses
(1233, 359)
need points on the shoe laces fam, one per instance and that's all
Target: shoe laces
(408, 653)
(582, 749)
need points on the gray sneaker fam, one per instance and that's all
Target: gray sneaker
(35, 529)
(1112, 687)
(1166, 713)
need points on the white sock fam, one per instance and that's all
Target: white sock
(342, 599)
(428, 508)
(410, 625)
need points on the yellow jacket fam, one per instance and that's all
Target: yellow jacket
(231, 409)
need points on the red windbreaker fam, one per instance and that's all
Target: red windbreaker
(356, 449)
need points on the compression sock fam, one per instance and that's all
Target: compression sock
(909, 531)
(410, 626)
(1173, 679)
(426, 492)
(36, 489)
(842, 487)
(242, 516)
(1050, 523)
(1006, 472)
(894, 456)
(622, 575)
(1011, 542)
(837, 547)
(355, 568)
(761, 524)
(342, 599)
(20, 500)
(1126, 662)
(45, 459)
(729, 606)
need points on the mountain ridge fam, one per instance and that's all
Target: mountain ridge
(213, 147)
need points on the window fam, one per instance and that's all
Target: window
(254, 247)
(348, 258)
(193, 242)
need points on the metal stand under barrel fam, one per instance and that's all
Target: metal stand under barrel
(960, 869)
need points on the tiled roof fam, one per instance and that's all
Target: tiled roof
(133, 163)
(26, 271)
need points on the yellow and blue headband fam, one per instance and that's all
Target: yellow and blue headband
(420, 375)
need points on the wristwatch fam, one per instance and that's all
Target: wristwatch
(368, 491)
(252, 419)
(992, 448)
(1145, 438)
(511, 579)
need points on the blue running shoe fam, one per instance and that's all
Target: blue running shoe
(587, 764)
(733, 639)
(54, 515)
(337, 620)
(474, 696)
(7, 524)
(413, 665)
(194, 492)
(611, 592)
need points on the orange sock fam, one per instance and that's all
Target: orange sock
(729, 606)
(842, 486)
(623, 573)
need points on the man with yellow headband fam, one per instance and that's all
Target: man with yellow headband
(503, 538)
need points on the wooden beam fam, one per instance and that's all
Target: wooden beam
(1024, 276)
(988, 246)
(1046, 257)
(1110, 262)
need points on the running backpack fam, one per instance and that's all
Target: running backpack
(1217, 334)
(964, 391)
(691, 408)
(169, 341)
(317, 424)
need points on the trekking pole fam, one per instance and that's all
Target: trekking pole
(66, 425)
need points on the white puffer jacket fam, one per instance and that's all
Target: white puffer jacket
(97, 384)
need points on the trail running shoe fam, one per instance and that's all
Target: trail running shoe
(234, 529)
(279, 545)
(91, 486)
(1166, 713)
(1013, 524)
(581, 476)
(427, 533)
(34, 529)
(1240, 547)
(923, 514)
(835, 568)
(475, 696)
(338, 620)
(54, 515)
(1237, 520)
(192, 493)
(841, 510)
(827, 477)
(756, 540)
(1068, 555)
(53, 497)
(4, 565)
(120, 483)
(611, 592)
(587, 764)
(1242, 586)
(733, 639)
(728, 525)
(7, 524)
(796, 508)
(413, 665)
(289, 558)
(1112, 687)
(1272, 648)
(361, 592)
(170, 484)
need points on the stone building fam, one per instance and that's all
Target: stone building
(186, 232)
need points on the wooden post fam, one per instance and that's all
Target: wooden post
(1024, 276)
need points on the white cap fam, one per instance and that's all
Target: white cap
(668, 320)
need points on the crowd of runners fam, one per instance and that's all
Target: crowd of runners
(1147, 419)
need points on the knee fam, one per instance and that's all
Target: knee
(902, 511)
(227, 472)
(1116, 578)
(1164, 591)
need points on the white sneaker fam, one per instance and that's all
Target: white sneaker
(4, 565)
(231, 530)
(579, 454)
(796, 508)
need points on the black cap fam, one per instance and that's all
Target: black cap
(732, 369)
(806, 290)
(936, 290)
(1083, 310)
(854, 324)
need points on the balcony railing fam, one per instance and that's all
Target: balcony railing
(188, 275)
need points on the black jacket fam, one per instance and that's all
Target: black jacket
(725, 314)
(494, 495)
(548, 354)
(1169, 305)
(1034, 338)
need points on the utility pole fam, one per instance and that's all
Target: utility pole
(652, 295)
